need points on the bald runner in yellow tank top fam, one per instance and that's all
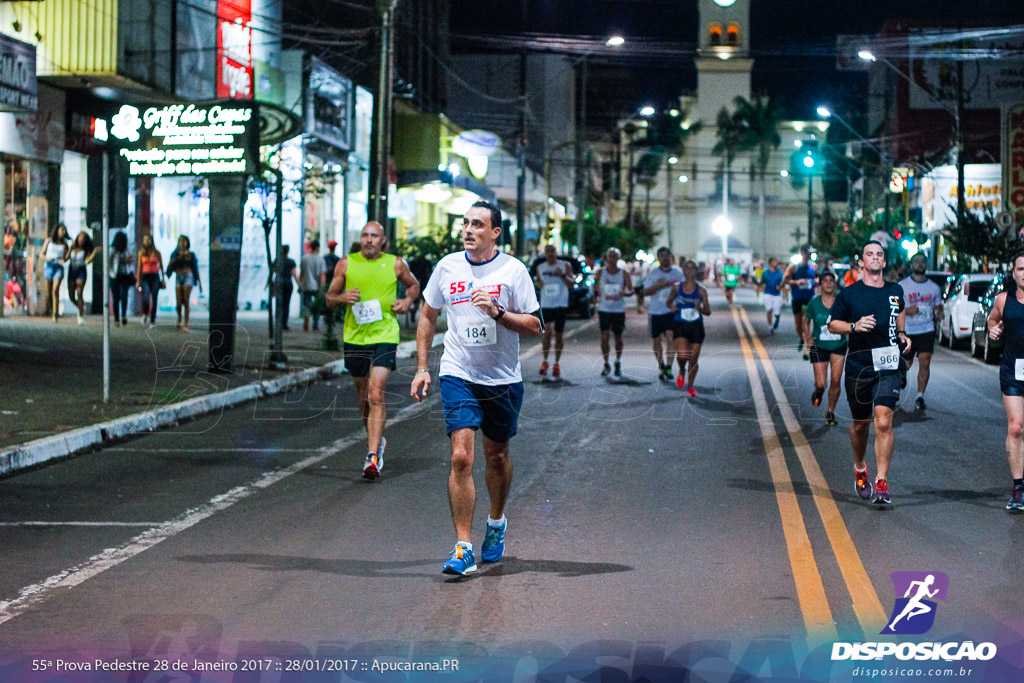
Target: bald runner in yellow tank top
(367, 283)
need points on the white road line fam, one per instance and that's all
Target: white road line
(122, 449)
(33, 595)
(89, 524)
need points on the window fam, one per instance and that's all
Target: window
(734, 35)
(716, 34)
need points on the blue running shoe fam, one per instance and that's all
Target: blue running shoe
(494, 543)
(1016, 503)
(461, 561)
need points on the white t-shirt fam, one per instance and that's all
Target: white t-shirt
(659, 300)
(554, 293)
(926, 296)
(476, 348)
(611, 292)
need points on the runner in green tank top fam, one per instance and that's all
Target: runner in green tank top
(827, 351)
(367, 282)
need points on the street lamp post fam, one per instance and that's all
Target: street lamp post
(383, 114)
(957, 114)
(582, 151)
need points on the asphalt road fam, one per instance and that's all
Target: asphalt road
(648, 531)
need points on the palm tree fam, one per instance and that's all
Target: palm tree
(759, 119)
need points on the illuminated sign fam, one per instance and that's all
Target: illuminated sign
(189, 139)
(329, 105)
(1014, 155)
(234, 49)
(18, 86)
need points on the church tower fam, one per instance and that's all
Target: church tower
(723, 58)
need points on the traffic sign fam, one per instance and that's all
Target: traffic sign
(1004, 220)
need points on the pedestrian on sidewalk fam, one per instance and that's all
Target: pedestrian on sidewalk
(330, 260)
(311, 279)
(122, 277)
(55, 253)
(149, 278)
(283, 286)
(490, 301)
(185, 266)
(81, 255)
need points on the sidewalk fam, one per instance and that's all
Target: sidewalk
(51, 376)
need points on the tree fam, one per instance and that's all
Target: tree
(759, 119)
(980, 242)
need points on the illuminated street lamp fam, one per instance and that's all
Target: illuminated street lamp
(647, 111)
(723, 226)
(615, 41)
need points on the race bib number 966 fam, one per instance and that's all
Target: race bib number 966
(886, 358)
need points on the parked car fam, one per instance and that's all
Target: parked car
(989, 350)
(581, 296)
(962, 302)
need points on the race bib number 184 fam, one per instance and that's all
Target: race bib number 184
(478, 333)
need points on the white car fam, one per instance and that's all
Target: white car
(962, 302)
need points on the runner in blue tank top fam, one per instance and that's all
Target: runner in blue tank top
(1007, 321)
(689, 302)
(800, 279)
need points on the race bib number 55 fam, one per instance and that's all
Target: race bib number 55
(886, 358)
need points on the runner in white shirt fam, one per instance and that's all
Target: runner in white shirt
(657, 286)
(924, 306)
(611, 285)
(554, 277)
(490, 300)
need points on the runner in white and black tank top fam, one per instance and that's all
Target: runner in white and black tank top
(1007, 322)
(689, 302)
(613, 283)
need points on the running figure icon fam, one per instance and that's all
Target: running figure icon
(915, 606)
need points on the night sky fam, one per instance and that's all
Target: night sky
(792, 41)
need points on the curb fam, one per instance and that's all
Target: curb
(41, 451)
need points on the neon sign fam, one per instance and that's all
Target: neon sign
(189, 139)
(234, 49)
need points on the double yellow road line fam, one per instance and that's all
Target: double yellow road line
(811, 594)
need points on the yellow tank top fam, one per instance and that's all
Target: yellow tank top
(370, 320)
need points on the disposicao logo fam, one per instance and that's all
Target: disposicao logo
(126, 124)
(914, 614)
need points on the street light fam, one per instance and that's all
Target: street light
(647, 111)
(673, 160)
(957, 114)
(583, 170)
(723, 226)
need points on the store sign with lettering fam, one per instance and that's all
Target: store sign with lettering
(19, 90)
(189, 139)
(1015, 156)
(234, 49)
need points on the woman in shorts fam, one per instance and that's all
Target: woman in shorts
(688, 300)
(185, 267)
(55, 253)
(827, 350)
(81, 255)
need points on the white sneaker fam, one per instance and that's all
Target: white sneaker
(380, 453)
(81, 320)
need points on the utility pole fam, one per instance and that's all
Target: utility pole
(383, 116)
(521, 148)
(669, 201)
(810, 207)
(958, 119)
(583, 168)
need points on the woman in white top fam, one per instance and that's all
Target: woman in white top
(81, 255)
(55, 253)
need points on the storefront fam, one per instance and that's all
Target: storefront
(32, 149)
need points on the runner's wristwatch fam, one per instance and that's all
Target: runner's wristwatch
(501, 312)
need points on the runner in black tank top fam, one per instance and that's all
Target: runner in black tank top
(1007, 322)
